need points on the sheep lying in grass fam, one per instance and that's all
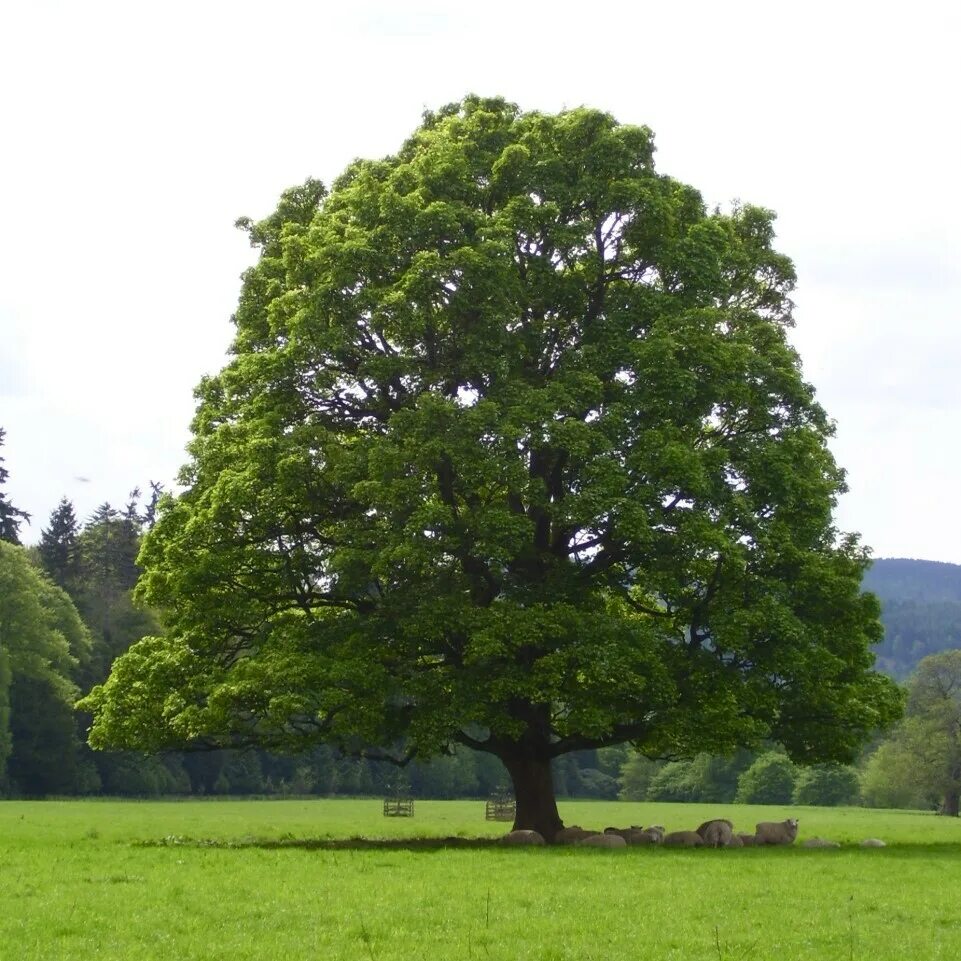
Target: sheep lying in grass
(683, 839)
(747, 840)
(572, 835)
(776, 832)
(605, 840)
(819, 843)
(718, 833)
(522, 837)
(652, 835)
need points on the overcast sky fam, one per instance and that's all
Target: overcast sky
(134, 135)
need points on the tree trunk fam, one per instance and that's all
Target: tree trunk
(534, 793)
(951, 803)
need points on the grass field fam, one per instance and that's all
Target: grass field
(87, 880)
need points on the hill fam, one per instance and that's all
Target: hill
(920, 607)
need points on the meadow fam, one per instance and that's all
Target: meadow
(245, 880)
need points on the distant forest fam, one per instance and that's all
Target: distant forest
(920, 608)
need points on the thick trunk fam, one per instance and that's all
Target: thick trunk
(534, 793)
(951, 803)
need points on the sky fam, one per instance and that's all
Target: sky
(133, 135)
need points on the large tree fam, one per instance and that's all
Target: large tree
(920, 763)
(512, 453)
(43, 648)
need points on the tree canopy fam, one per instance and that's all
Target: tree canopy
(921, 763)
(512, 452)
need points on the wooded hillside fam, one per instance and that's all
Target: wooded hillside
(920, 608)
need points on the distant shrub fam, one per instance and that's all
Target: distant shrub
(894, 777)
(636, 776)
(827, 785)
(597, 784)
(676, 781)
(769, 780)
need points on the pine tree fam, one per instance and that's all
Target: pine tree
(10, 516)
(58, 546)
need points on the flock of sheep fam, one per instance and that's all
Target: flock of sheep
(717, 833)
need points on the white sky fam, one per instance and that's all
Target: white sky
(132, 135)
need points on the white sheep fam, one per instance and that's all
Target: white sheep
(572, 835)
(683, 839)
(603, 841)
(523, 837)
(776, 832)
(717, 833)
(819, 843)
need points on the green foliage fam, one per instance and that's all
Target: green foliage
(635, 778)
(827, 785)
(926, 748)
(769, 780)
(59, 548)
(512, 452)
(676, 781)
(896, 775)
(920, 764)
(42, 646)
(107, 549)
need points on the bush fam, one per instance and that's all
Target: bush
(676, 781)
(893, 778)
(636, 776)
(827, 785)
(597, 784)
(769, 780)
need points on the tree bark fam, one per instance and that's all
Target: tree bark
(534, 794)
(951, 803)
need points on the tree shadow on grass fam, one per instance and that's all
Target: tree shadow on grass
(898, 850)
(326, 844)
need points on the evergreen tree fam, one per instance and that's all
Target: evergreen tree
(58, 546)
(108, 547)
(150, 511)
(10, 516)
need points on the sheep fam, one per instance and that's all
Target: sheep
(873, 843)
(707, 824)
(776, 832)
(603, 841)
(819, 843)
(644, 836)
(657, 831)
(736, 841)
(522, 837)
(747, 840)
(620, 832)
(717, 833)
(572, 835)
(684, 839)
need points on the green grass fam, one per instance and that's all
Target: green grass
(78, 882)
